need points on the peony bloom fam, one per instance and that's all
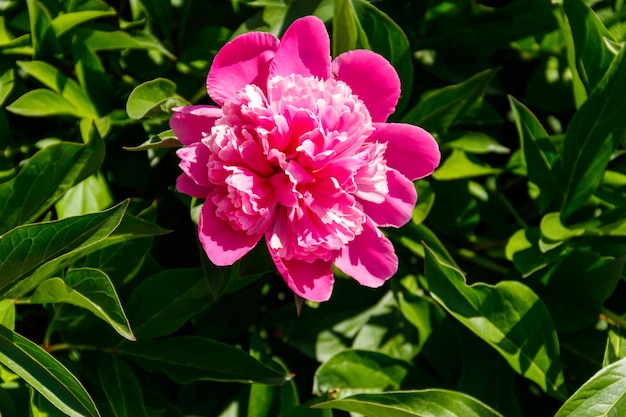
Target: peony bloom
(299, 153)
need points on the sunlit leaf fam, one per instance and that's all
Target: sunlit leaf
(153, 98)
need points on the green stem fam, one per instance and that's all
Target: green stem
(614, 318)
(71, 346)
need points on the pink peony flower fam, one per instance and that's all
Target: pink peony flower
(299, 153)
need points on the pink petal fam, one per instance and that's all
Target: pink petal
(369, 258)
(185, 184)
(242, 61)
(311, 280)
(222, 244)
(372, 78)
(192, 123)
(397, 208)
(304, 49)
(194, 161)
(410, 149)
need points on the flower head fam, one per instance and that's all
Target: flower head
(298, 153)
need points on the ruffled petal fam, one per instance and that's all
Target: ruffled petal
(397, 208)
(311, 280)
(242, 61)
(194, 161)
(372, 78)
(304, 49)
(369, 258)
(410, 149)
(192, 123)
(222, 244)
(186, 185)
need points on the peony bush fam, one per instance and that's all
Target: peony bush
(438, 185)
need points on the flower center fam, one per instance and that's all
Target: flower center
(294, 163)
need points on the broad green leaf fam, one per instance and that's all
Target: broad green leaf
(67, 21)
(7, 78)
(575, 287)
(190, 358)
(359, 372)
(509, 316)
(39, 19)
(93, 78)
(163, 140)
(425, 201)
(591, 55)
(440, 109)
(524, 249)
(7, 314)
(90, 289)
(59, 83)
(478, 143)
(539, 152)
(345, 30)
(43, 102)
(45, 178)
(40, 249)
(615, 346)
(460, 165)
(594, 132)
(604, 394)
(100, 40)
(121, 387)
(426, 403)
(45, 374)
(156, 98)
(162, 303)
(88, 196)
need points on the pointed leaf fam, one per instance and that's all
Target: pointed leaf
(121, 387)
(509, 316)
(189, 358)
(164, 302)
(45, 374)
(426, 403)
(68, 21)
(440, 109)
(594, 132)
(43, 102)
(46, 177)
(359, 371)
(90, 289)
(604, 394)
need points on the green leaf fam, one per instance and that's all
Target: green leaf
(45, 374)
(90, 289)
(478, 143)
(40, 407)
(121, 387)
(40, 249)
(153, 98)
(539, 152)
(43, 102)
(67, 21)
(426, 403)
(359, 372)
(189, 358)
(7, 314)
(345, 31)
(163, 140)
(162, 303)
(509, 316)
(591, 55)
(615, 346)
(100, 40)
(7, 79)
(45, 178)
(594, 132)
(438, 110)
(39, 19)
(88, 196)
(604, 394)
(93, 79)
(460, 165)
(59, 83)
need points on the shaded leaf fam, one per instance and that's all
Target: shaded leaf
(189, 358)
(426, 403)
(121, 387)
(45, 374)
(509, 316)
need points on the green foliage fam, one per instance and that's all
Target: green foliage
(508, 299)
